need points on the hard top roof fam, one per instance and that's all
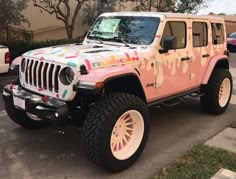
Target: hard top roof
(164, 15)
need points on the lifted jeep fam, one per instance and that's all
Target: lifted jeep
(127, 62)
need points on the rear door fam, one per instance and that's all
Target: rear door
(201, 53)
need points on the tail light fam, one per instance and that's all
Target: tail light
(7, 57)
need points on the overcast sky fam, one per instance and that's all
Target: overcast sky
(220, 6)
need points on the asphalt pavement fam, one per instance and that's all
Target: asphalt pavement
(56, 152)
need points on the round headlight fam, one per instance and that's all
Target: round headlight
(67, 76)
(23, 62)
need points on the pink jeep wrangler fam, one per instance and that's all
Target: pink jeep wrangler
(127, 62)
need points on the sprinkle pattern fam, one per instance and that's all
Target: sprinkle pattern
(72, 64)
(64, 93)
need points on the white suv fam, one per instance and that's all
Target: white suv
(4, 59)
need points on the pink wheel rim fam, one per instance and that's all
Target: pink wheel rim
(224, 92)
(127, 135)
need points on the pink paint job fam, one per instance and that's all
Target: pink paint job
(147, 76)
(211, 67)
(199, 64)
(71, 57)
(176, 81)
(161, 75)
(88, 64)
(39, 53)
(127, 55)
(11, 86)
(16, 61)
(100, 75)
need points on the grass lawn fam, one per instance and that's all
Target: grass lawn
(200, 162)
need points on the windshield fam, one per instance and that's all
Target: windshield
(232, 35)
(131, 29)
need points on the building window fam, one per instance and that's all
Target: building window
(217, 33)
(200, 34)
(176, 29)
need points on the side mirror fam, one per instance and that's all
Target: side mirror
(169, 43)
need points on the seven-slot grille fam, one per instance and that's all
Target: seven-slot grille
(42, 75)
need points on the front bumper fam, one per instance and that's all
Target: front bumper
(45, 108)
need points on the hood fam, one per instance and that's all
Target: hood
(92, 55)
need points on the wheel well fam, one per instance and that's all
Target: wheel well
(224, 63)
(128, 84)
(220, 64)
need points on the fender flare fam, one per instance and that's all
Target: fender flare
(15, 64)
(216, 62)
(134, 82)
(96, 79)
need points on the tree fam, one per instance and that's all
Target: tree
(141, 5)
(163, 5)
(222, 14)
(63, 11)
(93, 8)
(181, 6)
(11, 13)
(191, 6)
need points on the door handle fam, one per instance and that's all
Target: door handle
(205, 55)
(185, 58)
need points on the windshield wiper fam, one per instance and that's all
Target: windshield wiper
(122, 40)
(96, 38)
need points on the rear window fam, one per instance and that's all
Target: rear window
(200, 34)
(217, 33)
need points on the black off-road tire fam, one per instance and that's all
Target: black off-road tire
(20, 117)
(210, 100)
(98, 126)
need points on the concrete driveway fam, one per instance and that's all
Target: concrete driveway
(56, 152)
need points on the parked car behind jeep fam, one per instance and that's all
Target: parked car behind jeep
(127, 62)
(4, 59)
(231, 42)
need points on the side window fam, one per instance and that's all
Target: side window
(178, 30)
(200, 34)
(217, 33)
